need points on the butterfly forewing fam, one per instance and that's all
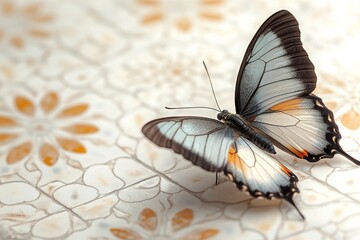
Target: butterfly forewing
(275, 68)
(203, 141)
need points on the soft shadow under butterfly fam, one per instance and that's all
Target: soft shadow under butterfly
(274, 107)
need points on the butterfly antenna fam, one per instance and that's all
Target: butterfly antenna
(217, 178)
(212, 88)
(172, 108)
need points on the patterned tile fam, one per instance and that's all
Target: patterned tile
(79, 79)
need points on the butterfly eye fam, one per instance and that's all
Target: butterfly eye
(223, 115)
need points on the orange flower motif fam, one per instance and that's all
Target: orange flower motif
(149, 223)
(43, 130)
(180, 13)
(19, 22)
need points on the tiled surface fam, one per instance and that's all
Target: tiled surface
(78, 79)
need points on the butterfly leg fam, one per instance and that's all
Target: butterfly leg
(217, 178)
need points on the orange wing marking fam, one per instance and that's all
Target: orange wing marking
(292, 104)
(300, 154)
(286, 170)
(235, 160)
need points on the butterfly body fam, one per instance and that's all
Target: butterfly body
(274, 106)
(244, 128)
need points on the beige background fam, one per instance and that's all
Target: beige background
(78, 79)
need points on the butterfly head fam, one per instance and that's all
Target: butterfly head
(223, 115)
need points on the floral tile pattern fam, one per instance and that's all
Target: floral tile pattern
(23, 23)
(78, 79)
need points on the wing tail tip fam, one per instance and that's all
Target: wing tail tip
(291, 201)
(349, 157)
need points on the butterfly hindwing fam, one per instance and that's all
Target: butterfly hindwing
(304, 127)
(275, 67)
(257, 172)
(203, 141)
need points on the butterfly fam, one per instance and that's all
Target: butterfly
(274, 106)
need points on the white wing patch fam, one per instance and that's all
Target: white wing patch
(257, 172)
(198, 127)
(265, 39)
(273, 64)
(268, 48)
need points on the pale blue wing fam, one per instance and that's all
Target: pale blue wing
(275, 67)
(203, 141)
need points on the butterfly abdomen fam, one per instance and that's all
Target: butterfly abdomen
(237, 123)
